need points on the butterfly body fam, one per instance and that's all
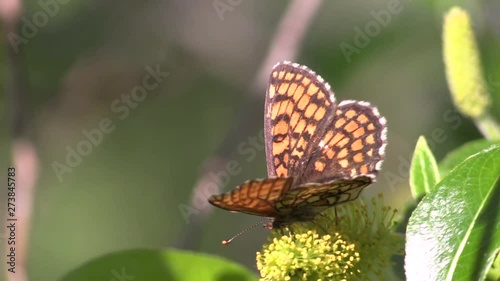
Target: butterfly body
(319, 154)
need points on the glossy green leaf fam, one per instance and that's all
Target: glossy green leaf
(460, 154)
(454, 232)
(494, 272)
(168, 265)
(424, 173)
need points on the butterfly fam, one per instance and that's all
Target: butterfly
(319, 154)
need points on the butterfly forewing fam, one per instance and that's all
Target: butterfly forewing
(255, 197)
(299, 105)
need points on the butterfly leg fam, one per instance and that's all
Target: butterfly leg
(318, 225)
(336, 216)
(282, 231)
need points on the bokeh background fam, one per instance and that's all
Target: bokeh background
(135, 188)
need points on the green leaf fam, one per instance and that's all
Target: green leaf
(424, 173)
(454, 232)
(494, 272)
(168, 265)
(460, 154)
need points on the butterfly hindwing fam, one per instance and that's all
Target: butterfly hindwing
(255, 197)
(353, 145)
(316, 197)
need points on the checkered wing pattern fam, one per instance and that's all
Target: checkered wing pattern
(299, 106)
(318, 154)
(353, 145)
(255, 197)
(314, 198)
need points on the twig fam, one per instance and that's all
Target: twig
(24, 156)
(286, 42)
(284, 46)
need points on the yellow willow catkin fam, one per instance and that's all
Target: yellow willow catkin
(308, 256)
(355, 243)
(463, 66)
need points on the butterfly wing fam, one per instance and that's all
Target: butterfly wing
(353, 145)
(255, 197)
(314, 198)
(332, 152)
(299, 106)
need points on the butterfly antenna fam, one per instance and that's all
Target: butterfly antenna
(264, 222)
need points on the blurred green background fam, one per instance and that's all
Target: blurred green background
(128, 192)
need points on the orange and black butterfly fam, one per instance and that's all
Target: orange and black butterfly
(319, 154)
